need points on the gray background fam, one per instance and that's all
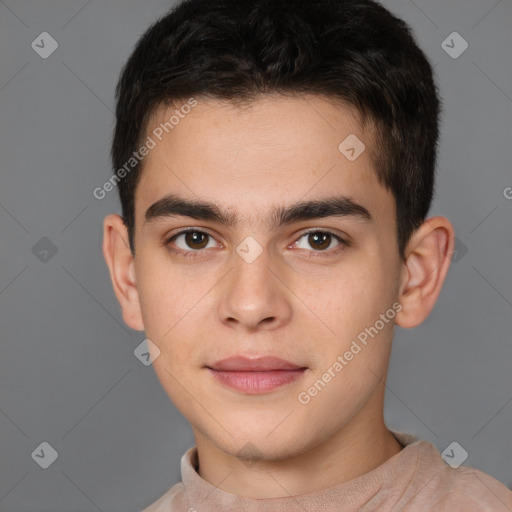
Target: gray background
(68, 374)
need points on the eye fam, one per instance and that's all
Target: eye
(189, 242)
(320, 241)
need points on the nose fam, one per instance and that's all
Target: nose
(252, 297)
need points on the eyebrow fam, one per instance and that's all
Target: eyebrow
(173, 205)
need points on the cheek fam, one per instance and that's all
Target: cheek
(167, 296)
(349, 297)
(176, 308)
(373, 282)
(350, 304)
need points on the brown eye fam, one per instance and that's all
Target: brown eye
(190, 241)
(319, 240)
(196, 239)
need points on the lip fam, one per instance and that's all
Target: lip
(255, 376)
(258, 364)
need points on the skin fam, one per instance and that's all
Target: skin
(295, 301)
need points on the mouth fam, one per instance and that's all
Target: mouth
(255, 376)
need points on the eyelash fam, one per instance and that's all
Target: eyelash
(197, 253)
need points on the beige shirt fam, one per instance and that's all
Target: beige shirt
(414, 480)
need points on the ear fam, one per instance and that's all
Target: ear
(427, 259)
(119, 258)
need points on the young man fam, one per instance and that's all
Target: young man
(275, 162)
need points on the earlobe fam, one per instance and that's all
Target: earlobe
(120, 262)
(428, 256)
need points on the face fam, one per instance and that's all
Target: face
(259, 274)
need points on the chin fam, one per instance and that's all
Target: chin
(251, 445)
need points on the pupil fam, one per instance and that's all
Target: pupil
(320, 240)
(194, 239)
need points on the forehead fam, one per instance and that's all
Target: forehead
(253, 156)
(273, 121)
